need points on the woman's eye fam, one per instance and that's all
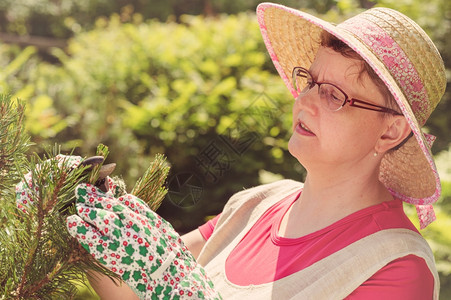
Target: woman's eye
(330, 96)
(335, 97)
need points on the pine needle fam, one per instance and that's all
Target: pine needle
(38, 257)
(103, 151)
(13, 143)
(151, 186)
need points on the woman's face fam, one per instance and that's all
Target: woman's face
(322, 138)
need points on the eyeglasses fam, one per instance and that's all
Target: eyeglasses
(331, 95)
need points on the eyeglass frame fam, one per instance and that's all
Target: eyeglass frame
(352, 101)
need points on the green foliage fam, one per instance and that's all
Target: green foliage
(167, 88)
(13, 144)
(86, 292)
(64, 18)
(54, 18)
(150, 187)
(32, 244)
(39, 259)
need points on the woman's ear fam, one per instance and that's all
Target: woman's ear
(396, 131)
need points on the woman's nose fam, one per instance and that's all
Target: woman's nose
(307, 101)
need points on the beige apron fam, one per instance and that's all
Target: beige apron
(333, 277)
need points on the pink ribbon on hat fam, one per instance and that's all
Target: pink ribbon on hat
(395, 59)
(426, 214)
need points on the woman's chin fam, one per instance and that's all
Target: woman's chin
(305, 154)
(295, 147)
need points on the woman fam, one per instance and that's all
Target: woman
(362, 91)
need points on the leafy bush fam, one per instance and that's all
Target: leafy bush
(64, 18)
(203, 92)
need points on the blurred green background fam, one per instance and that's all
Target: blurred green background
(190, 79)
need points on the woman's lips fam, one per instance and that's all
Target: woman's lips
(302, 129)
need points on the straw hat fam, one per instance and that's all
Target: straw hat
(402, 55)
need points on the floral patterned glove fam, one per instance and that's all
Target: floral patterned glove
(24, 189)
(136, 243)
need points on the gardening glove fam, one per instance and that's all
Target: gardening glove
(126, 236)
(26, 193)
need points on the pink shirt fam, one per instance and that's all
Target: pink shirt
(263, 256)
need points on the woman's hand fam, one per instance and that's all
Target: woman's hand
(137, 244)
(27, 192)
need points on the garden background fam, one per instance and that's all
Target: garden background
(187, 78)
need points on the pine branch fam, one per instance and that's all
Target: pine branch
(49, 182)
(103, 151)
(38, 257)
(47, 198)
(13, 143)
(150, 187)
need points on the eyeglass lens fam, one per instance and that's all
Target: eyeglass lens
(330, 95)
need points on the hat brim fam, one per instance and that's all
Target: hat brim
(292, 39)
